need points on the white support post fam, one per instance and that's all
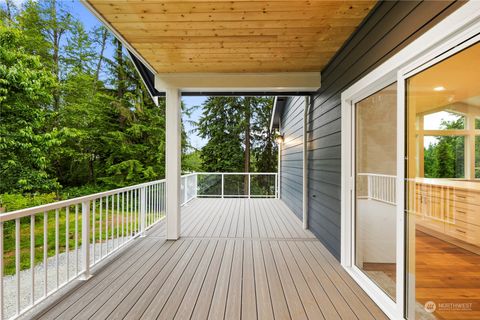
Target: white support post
(173, 161)
(86, 239)
(305, 165)
(143, 211)
(249, 185)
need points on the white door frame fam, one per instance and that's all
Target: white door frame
(459, 26)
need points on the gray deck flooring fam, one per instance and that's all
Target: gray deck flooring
(236, 259)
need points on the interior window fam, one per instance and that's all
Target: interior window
(443, 120)
(444, 156)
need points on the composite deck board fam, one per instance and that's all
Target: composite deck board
(236, 259)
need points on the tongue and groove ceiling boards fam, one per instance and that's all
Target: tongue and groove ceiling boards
(233, 36)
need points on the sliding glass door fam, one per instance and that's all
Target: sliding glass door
(443, 186)
(375, 178)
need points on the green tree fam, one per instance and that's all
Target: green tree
(239, 139)
(25, 96)
(264, 146)
(446, 158)
(220, 123)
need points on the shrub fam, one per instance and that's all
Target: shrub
(15, 201)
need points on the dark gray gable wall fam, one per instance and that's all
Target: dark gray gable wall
(390, 27)
(291, 178)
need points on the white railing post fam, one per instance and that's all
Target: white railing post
(369, 187)
(276, 185)
(196, 185)
(143, 217)
(185, 189)
(86, 239)
(249, 184)
(223, 185)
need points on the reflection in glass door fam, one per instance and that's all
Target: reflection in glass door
(443, 190)
(375, 203)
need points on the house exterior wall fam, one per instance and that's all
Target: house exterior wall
(291, 177)
(389, 28)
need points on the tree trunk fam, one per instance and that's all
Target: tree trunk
(9, 12)
(91, 167)
(120, 73)
(103, 45)
(56, 34)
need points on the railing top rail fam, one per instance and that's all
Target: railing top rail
(376, 175)
(65, 203)
(189, 175)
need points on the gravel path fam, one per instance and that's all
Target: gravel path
(10, 282)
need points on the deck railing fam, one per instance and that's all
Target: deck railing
(237, 184)
(42, 249)
(380, 187)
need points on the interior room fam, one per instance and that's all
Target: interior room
(443, 110)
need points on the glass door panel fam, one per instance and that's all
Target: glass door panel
(375, 203)
(443, 193)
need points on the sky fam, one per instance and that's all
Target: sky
(195, 140)
(433, 121)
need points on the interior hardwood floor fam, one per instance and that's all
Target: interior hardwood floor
(236, 259)
(447, 274)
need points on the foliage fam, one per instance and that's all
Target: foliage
(192, 161)
(71, 114)
(264, 146)
(24, 99)
(12, 202)
(446, 158)
(236, 128)
(220, 125)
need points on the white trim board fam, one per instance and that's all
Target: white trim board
(450, 32)
(239, 82)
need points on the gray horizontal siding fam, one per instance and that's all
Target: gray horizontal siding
(291, 179)
(389, 28)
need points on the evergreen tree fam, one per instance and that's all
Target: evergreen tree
(221, 125)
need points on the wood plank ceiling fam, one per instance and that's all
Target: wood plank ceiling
(236, 35)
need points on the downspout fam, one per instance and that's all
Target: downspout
(305, 163)
(279, 164)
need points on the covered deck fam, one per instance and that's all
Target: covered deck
(236, 259)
